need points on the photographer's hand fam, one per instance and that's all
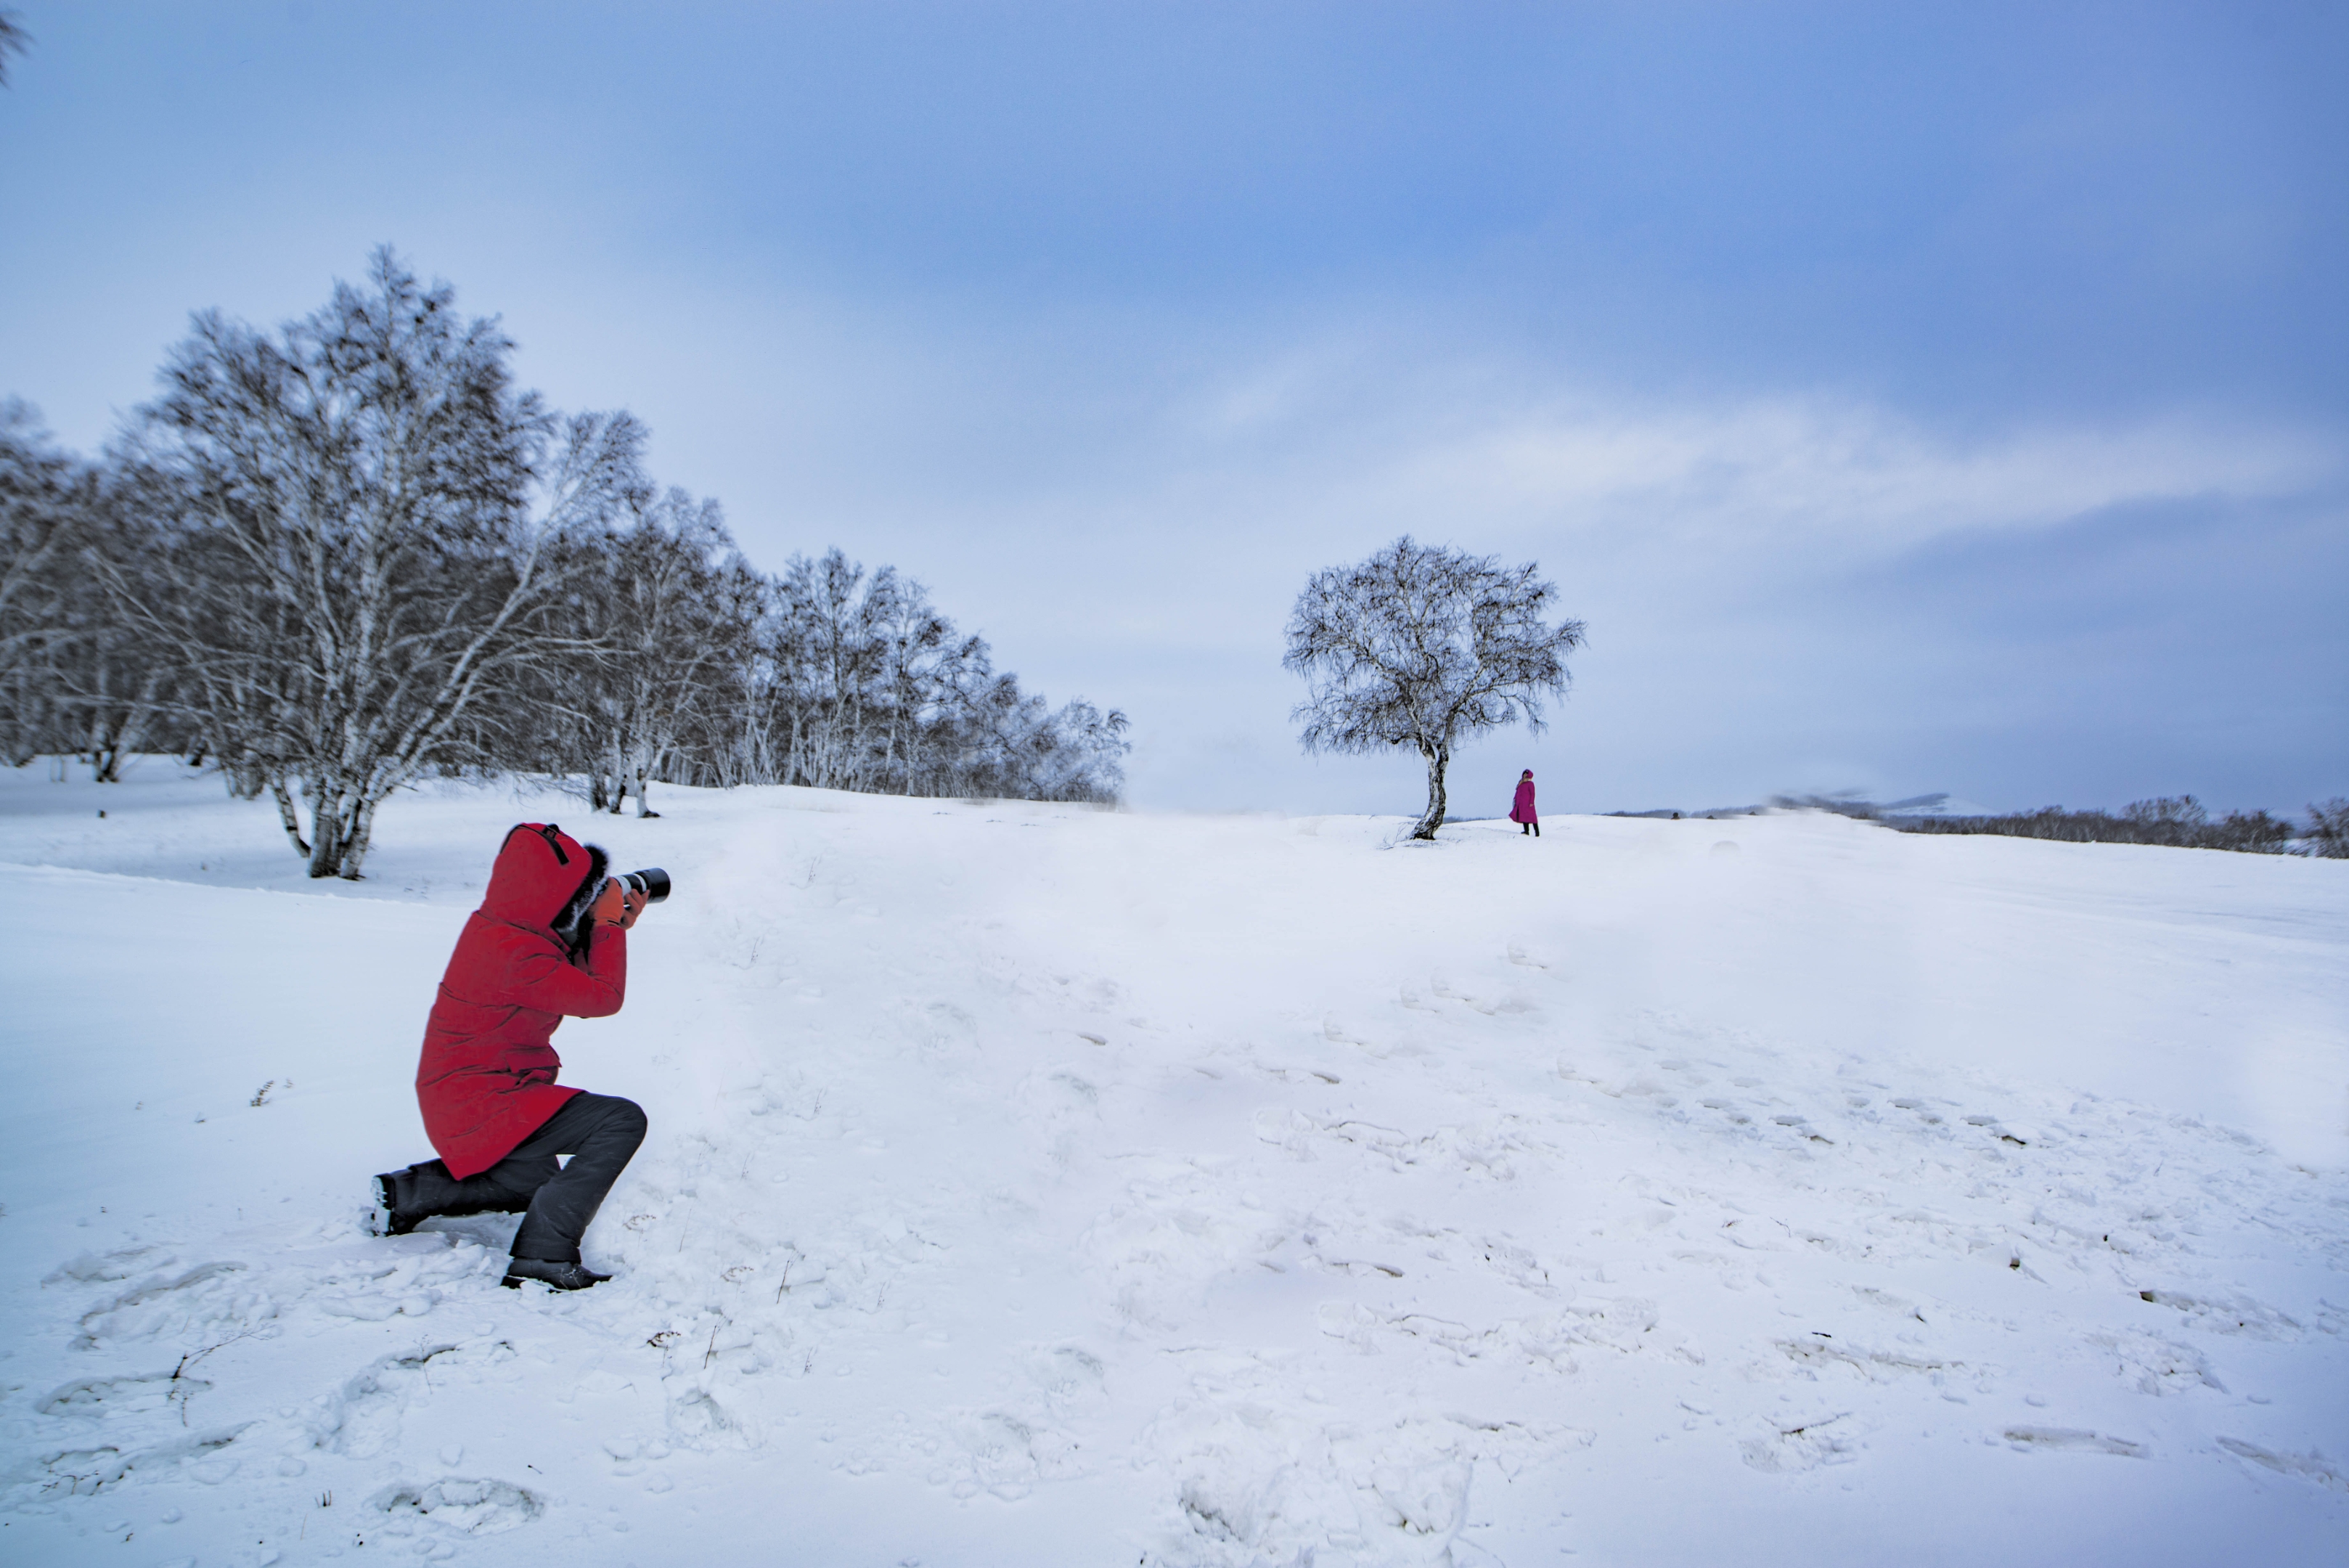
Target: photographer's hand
(618, 905)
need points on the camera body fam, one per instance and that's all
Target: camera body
(651, 884)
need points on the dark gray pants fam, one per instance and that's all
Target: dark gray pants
(599, 1132)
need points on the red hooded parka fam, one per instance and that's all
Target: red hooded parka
(487, 1078)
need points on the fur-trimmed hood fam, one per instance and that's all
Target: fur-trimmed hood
(544, 879)
(571, 920)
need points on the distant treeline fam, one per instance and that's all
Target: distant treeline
(333, 559)
(2178, 821)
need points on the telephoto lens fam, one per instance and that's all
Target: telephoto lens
(652, 882)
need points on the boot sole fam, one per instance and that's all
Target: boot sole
(516, 1282)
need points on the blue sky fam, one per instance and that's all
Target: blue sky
(1909, 398)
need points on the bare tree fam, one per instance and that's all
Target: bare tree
(73, 679)
(1076, 754)
(1424, 646)
(830, 645)
(2328, 828)
(366, 518)
(14, 40)
(920, 661)
(860, 683)
(40, 496)
(674, 640)
(330, 559)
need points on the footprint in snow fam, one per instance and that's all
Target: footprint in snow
(1828, 1439)
(2074, 1439)
(471, 1507)
(2313, 1466)
(2233, 1314)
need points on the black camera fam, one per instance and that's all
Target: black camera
(652, 882)
(576, 922)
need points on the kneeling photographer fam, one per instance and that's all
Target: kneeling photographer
(549, 942)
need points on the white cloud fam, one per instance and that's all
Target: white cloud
(1467, 450)
(1787, 471)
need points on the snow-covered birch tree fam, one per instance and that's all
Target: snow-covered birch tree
(73, 679)
(38, 511)
(675, 627)
(369, 518)
(328, 559)
(1424, 646)
(831, 646)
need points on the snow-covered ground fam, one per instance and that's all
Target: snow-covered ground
(1042, 1186)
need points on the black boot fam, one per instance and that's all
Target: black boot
(390, 1220)
(561, 1276)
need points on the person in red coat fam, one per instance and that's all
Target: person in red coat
(1522, 811)
(549, 942)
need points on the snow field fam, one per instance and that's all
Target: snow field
(1040, 1185)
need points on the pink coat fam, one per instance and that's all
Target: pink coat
(1523, 811)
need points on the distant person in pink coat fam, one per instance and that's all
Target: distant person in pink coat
(1523, 811)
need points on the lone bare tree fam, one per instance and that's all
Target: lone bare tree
(1424, 646)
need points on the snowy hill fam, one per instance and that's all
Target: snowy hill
(1040, 1185)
